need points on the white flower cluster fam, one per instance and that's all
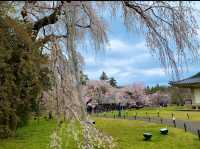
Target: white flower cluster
(55, 142)
(94, 139)
(81, 136)
(74, 132)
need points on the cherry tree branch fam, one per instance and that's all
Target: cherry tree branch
(50, 38)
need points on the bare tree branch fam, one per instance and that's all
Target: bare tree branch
(50, 38)
(87, 26)
(167, 24)
(51, 19)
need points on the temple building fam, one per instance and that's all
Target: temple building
(192, 83)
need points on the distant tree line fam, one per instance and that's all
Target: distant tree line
(154, 89)
(177, 94)
(111, 80)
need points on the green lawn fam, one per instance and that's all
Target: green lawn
(33, 136)
(163, 112)
(128, 134)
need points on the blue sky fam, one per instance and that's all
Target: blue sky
(128, 60)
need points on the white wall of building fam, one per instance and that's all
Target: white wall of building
(196, 96)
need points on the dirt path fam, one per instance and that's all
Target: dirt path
(189, 126)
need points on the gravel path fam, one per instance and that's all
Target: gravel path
(190, 126)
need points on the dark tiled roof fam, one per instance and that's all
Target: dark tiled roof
(193, 81)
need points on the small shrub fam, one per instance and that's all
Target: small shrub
(5, 132)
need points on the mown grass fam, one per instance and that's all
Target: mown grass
(34, 136)
(163, 112)
(37, 136)
(129, 133)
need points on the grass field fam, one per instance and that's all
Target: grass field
(163, 112)
(34, 136)
(127, 134)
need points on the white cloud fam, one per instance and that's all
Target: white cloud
(116, 45)
(89, 60)
(126, 62)
(111, 71)
(93, 74)
(131, 71)
(153, 72)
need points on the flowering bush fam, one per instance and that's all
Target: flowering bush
(55, 141)
(80, 135)
(96, 139)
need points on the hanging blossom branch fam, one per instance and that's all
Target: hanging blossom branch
(166, 21)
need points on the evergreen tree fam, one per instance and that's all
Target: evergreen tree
(24, 75)
(83, 78)
(103, 76)
(148, 90)
(113, 82)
